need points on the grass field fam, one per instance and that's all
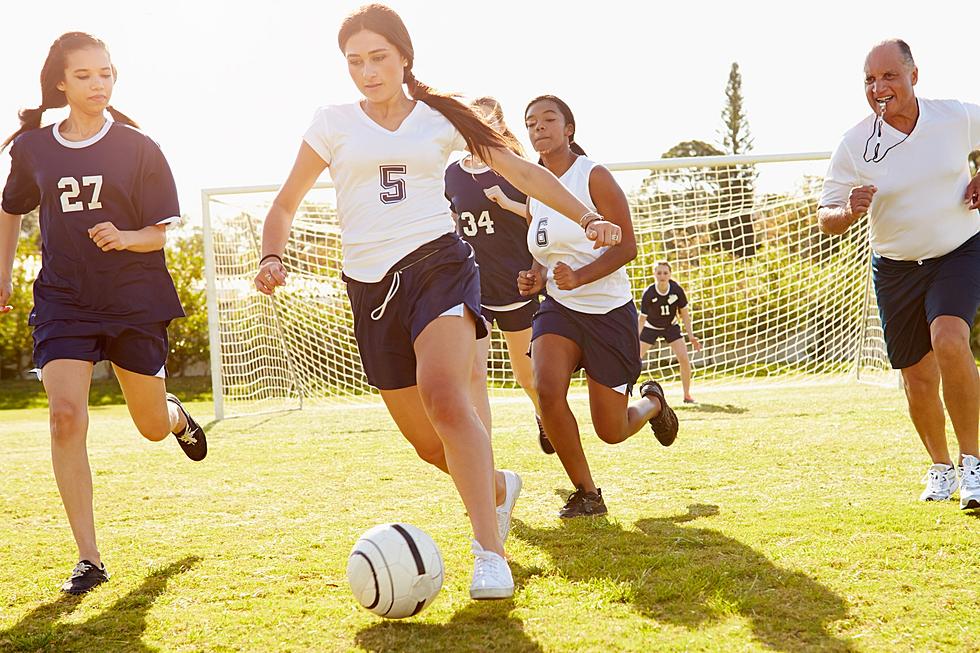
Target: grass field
(783, 519)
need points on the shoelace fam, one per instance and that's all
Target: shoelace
(971, 478)
(80, 570)
(187, 437)
(488, 563)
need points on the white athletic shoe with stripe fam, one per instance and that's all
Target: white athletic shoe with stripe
(506, 510)
(491, 575)
(940, 483)
(970, 483)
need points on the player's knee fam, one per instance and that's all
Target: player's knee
(950, 342)
(524, 379)
(68, 420)
(919, 383)
(550, 395)
(609, 433)
(432, 454)
(154, 429)
(444, 403)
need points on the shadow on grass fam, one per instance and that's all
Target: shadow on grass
(699, 407)
(104, 392)
(119, 628)
(480, 626)
(687, 576)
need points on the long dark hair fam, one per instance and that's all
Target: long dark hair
(566, 113)
(382, 20)
(492, 106)
(54, 72)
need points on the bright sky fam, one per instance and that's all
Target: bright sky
(228, 88)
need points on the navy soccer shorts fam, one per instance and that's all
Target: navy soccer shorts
(517, 319)
(139, 348)
(609, 343)
(650, 335)
(432, 281)
(911, 294)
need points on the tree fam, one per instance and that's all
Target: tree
(736, 138)
(188, 336)
(691, 149)
(735, 233)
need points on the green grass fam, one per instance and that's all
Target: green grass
(781, 520)
(105, 392)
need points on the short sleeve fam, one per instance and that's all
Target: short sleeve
(458, 143)
(317, 136)
(973, 116)
(841, 177)
(21, 194)
(158, 195)
(646, 307)
(681, 298)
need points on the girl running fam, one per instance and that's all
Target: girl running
(413, 284)
(106, 196)
(588, 320)
(491, 216)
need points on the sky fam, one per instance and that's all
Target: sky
(228, 88)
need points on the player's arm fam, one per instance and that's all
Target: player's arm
(148, 239)
(537, 181)
(496, 194)
(9, 232)
(685, 314)
(835, 220)
(275, 234)
(642, 321)
(611, 202)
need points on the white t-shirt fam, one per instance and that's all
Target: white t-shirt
(390, 185)
(918, 212)
(552, 238)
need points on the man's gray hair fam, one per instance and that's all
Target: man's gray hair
(903, 47)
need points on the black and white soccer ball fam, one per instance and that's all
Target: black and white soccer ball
(395, 570)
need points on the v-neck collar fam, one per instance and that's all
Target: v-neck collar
(371, 121)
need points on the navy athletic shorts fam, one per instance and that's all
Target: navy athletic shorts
(139, 348)
(609, 342)
(517, 319)
(435, 278)
(650, 335)
(911, 294)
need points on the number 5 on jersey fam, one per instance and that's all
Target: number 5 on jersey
(394, 188)
(70, 190)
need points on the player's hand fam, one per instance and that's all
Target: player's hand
(529, 282)
(271, 274)
(604, 233)
(859, 201)
(108, 238)
(6, 292)
(494, 194)
(972, 194)
(565, 277)
(695, 343)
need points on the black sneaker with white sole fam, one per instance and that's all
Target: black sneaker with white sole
(665, 424)
(84, 578)
(191, 439)
(543, 440)
(583, 504)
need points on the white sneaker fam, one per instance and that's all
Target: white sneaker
(504, 511)
(940, 483)
(969, 483)
(491, 575)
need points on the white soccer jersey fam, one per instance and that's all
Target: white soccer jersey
(390, 184)
(918, 212)
(552, 238)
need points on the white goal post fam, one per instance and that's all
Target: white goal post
(772, 298)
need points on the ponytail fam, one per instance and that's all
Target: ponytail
(119, 116)
(382, 20)
(52, 73)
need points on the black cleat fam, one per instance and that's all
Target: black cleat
(665, 424)
(84, 578)
(543, 440)
(583, 504)
(191, 439)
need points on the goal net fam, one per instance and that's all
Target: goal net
(772, 299)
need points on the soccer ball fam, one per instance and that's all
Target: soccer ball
(395, 570)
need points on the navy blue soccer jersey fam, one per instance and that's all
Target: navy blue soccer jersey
(498, 236)
(118, 176)
(661, 309)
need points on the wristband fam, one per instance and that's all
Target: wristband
(588, 219)
(275, 256)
